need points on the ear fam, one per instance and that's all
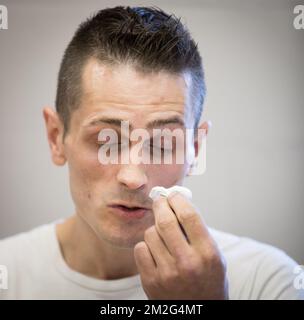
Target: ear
(200, 134)
(55, 131)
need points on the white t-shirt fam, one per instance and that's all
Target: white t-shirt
(37, 270)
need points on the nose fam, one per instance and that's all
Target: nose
(132, 176)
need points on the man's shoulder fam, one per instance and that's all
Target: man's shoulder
(25, 244)
(262, 270)
(27, 259)
(237, 246)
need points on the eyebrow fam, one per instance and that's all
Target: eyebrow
(162, 122)
(112, 121)
(154, 123)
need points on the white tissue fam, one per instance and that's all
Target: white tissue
(166, 191)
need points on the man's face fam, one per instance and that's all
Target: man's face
(100, 191)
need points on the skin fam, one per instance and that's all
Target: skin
(100, 244)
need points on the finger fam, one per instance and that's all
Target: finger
(144, 260)
(187, 215)
(158, 249)
(168, 227)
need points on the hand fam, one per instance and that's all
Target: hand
(173, 266)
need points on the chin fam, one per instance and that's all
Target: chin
(124, 238)
(123, 242)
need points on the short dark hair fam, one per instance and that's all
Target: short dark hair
(147, 37)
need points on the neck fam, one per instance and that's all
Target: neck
(84, 252)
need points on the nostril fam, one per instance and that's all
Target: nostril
(131, 177)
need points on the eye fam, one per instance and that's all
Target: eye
(107, 142)
(159, 149)
(99, 143)
(117, 146)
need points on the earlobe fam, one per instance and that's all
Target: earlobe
(192, 168)
(54, 130)
(202, 133)
(206, 126)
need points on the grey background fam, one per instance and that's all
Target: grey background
(254, 66)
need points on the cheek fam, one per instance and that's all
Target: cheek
(86, 173)
(83, 162)
(81, 183)
(83, 166)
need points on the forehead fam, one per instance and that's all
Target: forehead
(123, 91)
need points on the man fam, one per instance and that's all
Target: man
(141, 66)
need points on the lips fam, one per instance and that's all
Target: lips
(127, 205)
(129, 210)
(126, 208)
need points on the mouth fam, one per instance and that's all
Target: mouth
(129, 211)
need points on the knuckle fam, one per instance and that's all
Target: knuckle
(168, 277)
(216, 261)
(213, 257)
(190, 267)
(188, 216)
(139, 247)
(190, 271)
(149, 233)
(151, 282)
(166, 223)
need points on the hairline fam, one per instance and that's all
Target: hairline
(185, 74)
